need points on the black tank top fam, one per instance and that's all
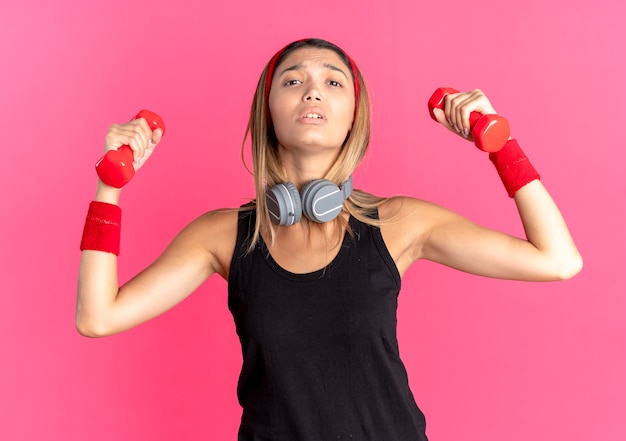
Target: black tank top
(320, 354)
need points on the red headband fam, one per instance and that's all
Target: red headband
(272, 66)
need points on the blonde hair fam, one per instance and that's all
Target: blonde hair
(267, 168)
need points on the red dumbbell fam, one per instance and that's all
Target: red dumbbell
(490, 132)
(115, 168)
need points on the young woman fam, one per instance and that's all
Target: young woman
(313, 266)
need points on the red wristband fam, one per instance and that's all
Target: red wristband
(102, 228)
(513, 166)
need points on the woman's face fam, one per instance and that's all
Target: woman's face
(311, 100)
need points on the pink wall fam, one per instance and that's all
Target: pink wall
(488, 360)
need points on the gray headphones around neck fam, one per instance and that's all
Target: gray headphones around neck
(320, 201)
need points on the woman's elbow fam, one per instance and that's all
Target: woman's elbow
(568, 267)
(88, 331)
(90, 328)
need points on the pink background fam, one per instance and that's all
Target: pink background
(487, 360)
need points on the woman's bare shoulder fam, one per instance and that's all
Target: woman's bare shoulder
(405, 224)
(214, 232)
(402, 208)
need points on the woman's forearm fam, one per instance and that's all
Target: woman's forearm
(546, 229)
(97, 279)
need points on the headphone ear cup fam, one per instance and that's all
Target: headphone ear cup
(283, 203)
(322, 200)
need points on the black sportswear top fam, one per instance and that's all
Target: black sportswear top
(320, 354)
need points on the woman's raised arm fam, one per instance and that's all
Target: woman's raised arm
(204, 247)
(428, 231)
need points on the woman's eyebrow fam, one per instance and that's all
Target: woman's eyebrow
(337, 69)
(291, 68)
(300, 66)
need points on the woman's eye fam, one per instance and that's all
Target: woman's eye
(292, 82)
(334, 83)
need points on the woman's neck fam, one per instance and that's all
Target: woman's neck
(302, 168)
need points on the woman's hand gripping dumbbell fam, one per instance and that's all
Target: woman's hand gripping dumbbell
(488, 130)
(129, 145)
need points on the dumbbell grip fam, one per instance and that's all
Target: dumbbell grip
(474, 117)
(490, 132)
(437, 100)
(116, 168)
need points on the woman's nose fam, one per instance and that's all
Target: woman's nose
(312, 94)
